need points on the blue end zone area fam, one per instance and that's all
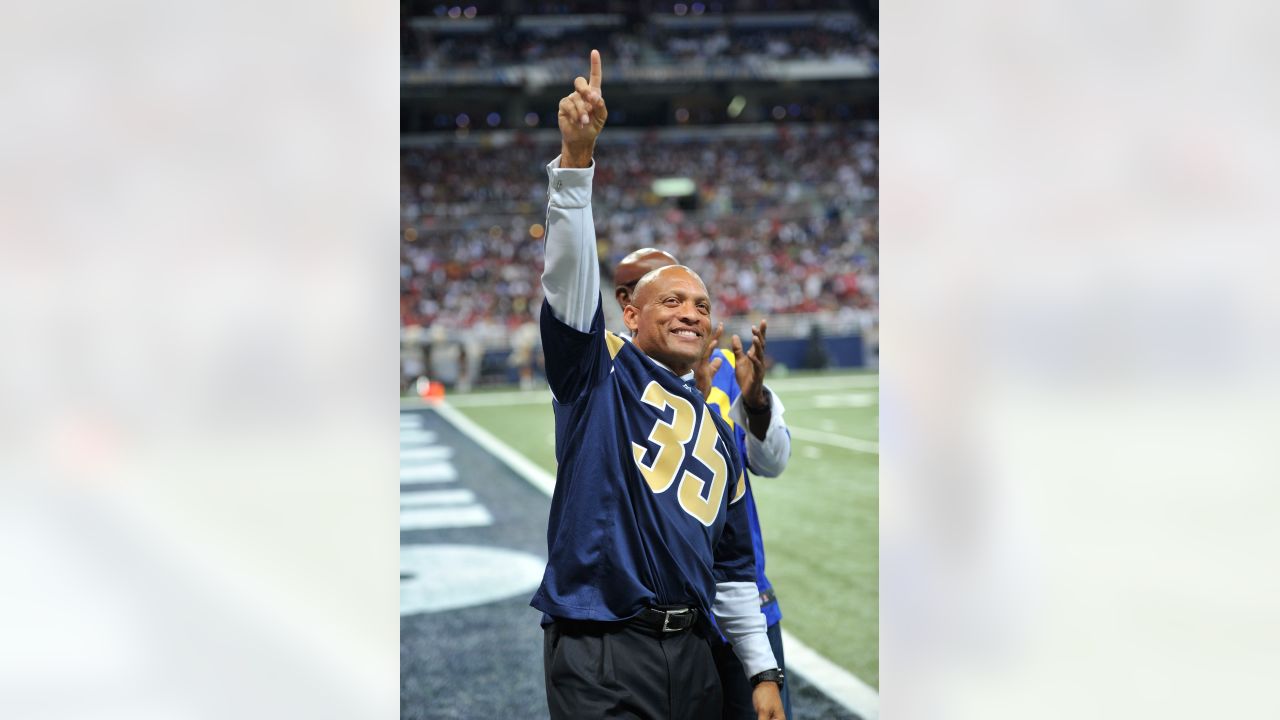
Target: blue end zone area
(470, 645)
(473, 544)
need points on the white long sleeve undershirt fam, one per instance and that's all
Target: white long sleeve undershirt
(738, 615)
(571, 275)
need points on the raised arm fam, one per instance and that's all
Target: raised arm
(571, 276)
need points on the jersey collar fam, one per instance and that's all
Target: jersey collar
(627, 336)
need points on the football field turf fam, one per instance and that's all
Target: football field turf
(819, 519)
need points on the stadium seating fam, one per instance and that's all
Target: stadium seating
(452, 39)
(783, 222)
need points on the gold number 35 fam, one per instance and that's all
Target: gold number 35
(671, 438)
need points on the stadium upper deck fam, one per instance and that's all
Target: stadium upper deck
(479, 44)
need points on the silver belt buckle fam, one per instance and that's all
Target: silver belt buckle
(666, 619)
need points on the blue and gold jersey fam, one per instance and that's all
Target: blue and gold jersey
(724, 391)
(647, 505)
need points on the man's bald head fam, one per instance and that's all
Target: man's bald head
(658, 279)
(635, 266)
(639, 263)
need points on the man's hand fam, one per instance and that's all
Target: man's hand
(582, 115)
(707, 367)
(767, 700)
(749, 367)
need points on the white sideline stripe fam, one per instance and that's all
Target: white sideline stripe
(444, 517)
(420, 498)
(518, 463)
(431, 453)
(430, 472)
(844, 441)
(839, 684)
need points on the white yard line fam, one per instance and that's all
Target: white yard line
(439, 472)
(436, 518)
(427, 498)
(826, 438)
(839, 684)
(808, 384)
(819, 404)
(411, 437)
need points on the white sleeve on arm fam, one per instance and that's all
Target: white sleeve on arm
(737, 611)
(571, 274)
(768, 457)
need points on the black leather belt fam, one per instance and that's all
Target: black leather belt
(662, 622)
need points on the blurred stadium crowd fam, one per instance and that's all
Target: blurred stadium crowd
(777, 210)
(783, 223)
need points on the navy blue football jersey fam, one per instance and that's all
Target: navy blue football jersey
(647, 506)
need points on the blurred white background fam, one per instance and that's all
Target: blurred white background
(198, 217)
(1078, 350)
(198, 511)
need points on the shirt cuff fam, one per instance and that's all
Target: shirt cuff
(768, 457)
(569, 187)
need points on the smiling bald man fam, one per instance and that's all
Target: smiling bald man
(648, 535)
(733, 383)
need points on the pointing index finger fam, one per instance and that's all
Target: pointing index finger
(596, 74)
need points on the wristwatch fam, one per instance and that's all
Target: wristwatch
(774, 675)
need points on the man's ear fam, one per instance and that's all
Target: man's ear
(623, 295)
(630, 318)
